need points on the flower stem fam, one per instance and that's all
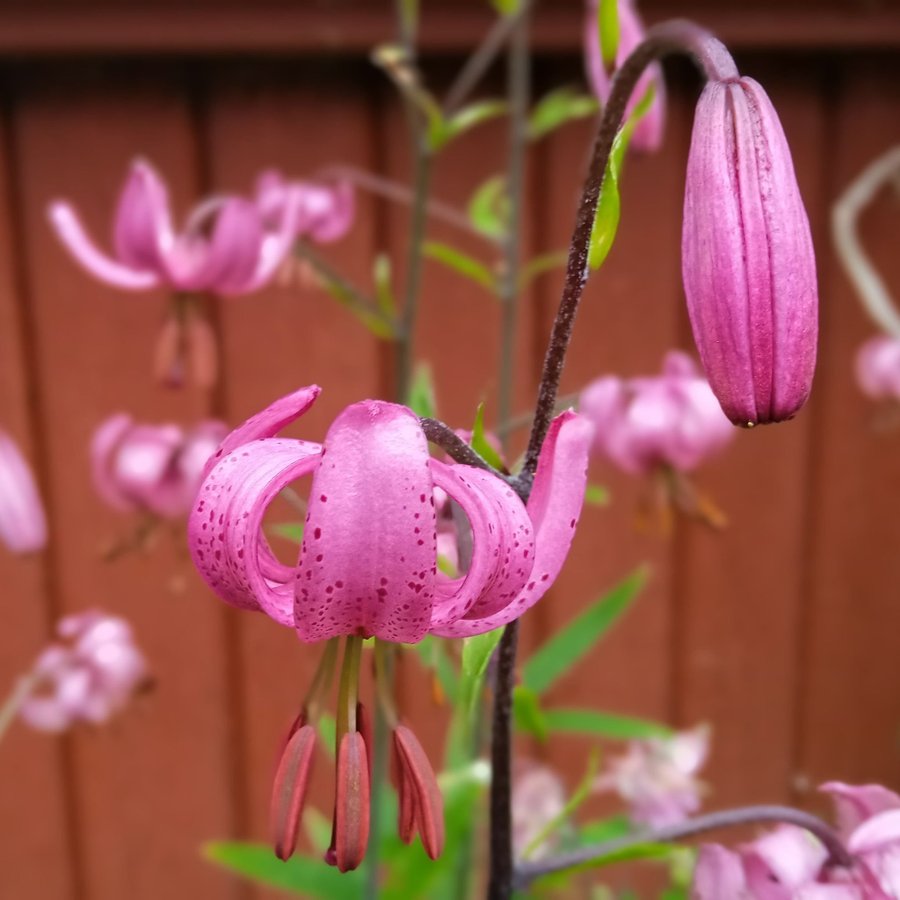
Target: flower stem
(17, 696)
(526, 873)
(322, 679)
(348, 692)
(668, 37)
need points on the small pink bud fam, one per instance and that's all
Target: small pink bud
(289, 790)
(351, 807)
(419, 792)
(747, 257)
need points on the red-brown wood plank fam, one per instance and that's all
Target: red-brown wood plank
(851, 705)
(34, 794)
(284, 337)
(153, 785)
(740, 591)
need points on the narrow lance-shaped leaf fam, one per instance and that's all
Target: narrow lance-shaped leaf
(608, 26)
(562, 651)
(476, 655)
(421, 399)
(481, 445)
(528, 717)
(442, 131)
(345, 295)
(488, 208)
(594, 723)
(556, 108)
(462, 264)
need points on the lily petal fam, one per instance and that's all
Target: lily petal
(856, 803)
(267, 423)
(554, 508)
(277, 244)
(143, 227)
(71, 232)
(225, 526)
(876, 833)
(23, 527)
(718, 874)
(368, 560)
(234, 249)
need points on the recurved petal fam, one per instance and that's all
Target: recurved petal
(855, 803)
(718, 874)
(277, 242)
(554, 508)
(368, 561)
(23, 527)
(225, 526)
(876, 834)
(71, 232)
(267, 423)
(234, 251)
(333, 216)
(143, 226)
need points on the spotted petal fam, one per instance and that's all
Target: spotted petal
(368, 560)
(554, 508)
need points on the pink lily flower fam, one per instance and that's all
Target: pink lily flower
(88, 677)
(23, 526)
(226, 246)
(152, 468)
(648, 132)
(368, 568)
(672, 419)
(325, 212)
(878, 368)
(748, 264)
(790, 864)
(658, 777)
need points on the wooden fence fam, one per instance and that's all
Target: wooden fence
(782, 631)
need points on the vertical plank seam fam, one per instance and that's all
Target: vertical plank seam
(36, 417)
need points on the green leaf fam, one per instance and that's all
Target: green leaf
(442, 131)
(602, 724)
(384, 292)
(476, 655)
(596, 495)
(290, 531)
(481, 445)
(421, 399)
(606, 218)
(608, 26)
(602, 830)
(317, 828)
(300, 874)
(489, 208)
(565, 104)
(527, 715)
(344, 295)
(462, 264)
(562, 651)
(542, 264)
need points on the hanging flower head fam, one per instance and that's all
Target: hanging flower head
(368, 568)
(88, 677)
(672, 419)
(227, 246)
(658, 777)
(648, 132)
(23, 527)
(790, 864)
(153, 468)
(747, 256)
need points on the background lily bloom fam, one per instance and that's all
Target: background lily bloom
(657, 778)
(155, 468)
(23, 527)
(226, 247)
(672, 419)
(89, 676)
(878, 368)
(747, 257)
(539, 798)
(648, 133)
(790, 864)
(368, 560)
(325, 212)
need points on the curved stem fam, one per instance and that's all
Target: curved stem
(716, 63)
(750, 815)
(869, 284)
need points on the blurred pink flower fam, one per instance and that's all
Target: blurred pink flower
(657, 777)
(226, 246)
(648, 133)
(878, 368)
(672, 419)
(325, 211)
(539, 797)
(790, 864)
(155, 468)
(88, 677)
(23, 527)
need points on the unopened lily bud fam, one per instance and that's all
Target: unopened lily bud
(747, 257)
